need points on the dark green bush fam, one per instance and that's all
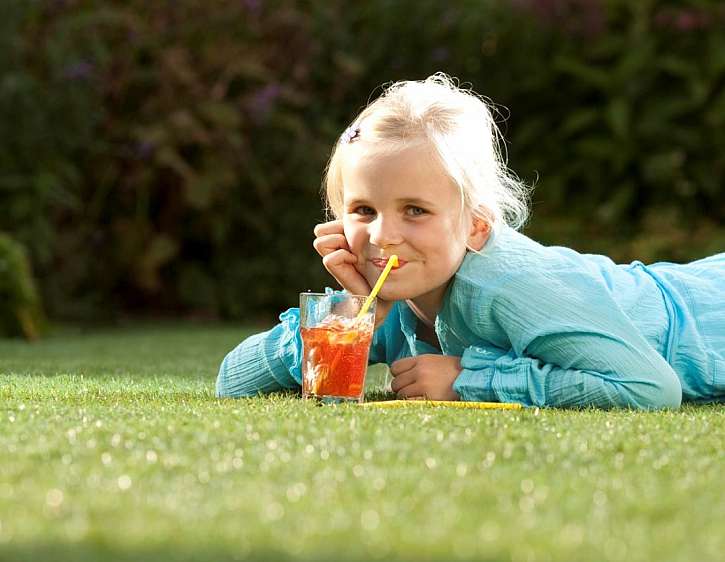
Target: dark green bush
(167, 157)
(20, 312)
(625, 121)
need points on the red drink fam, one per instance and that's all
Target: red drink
(335, 359)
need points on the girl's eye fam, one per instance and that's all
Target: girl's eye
(364, 210)
(415, 211)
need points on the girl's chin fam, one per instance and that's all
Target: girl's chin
(392, 289)
(392, 294)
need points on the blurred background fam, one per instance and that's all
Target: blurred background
(164, 159)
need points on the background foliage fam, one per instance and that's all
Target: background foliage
(167, 156)
(22, 314)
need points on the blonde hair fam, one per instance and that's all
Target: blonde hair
(459, 126)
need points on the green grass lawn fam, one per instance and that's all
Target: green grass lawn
(113, 447)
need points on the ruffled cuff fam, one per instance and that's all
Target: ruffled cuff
(475, 386)
(475, 381)
(245, 371)
(284, 350)
(264, 362)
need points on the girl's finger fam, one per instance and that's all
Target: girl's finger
(412, 391)
(341, 265)
(401, 381)
(402, 365)
(339, 257)
(331, 227)
(329, 243)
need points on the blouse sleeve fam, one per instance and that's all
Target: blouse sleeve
(389, 343)
(570, 344)
(264, 362)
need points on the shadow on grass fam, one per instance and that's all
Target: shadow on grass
(94, 551)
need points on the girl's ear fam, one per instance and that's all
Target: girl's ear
(478, 235)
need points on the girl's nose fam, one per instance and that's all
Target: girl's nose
(384, 232)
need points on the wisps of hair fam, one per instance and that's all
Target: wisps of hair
(459, 125)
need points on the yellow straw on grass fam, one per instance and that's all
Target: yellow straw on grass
(438, 403)
(392, 262)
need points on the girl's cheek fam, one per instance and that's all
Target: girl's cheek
(355, 238)
(346, 228)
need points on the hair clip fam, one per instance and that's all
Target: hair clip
(351, 134)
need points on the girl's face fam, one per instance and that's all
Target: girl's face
(404, 204)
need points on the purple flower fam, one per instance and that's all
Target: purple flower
(439, 54)
(58, 5)
(577, 17)
(145, 149)
(684, 20)
(78, 71)
(262, 101)
(548, 10)
(252, 6)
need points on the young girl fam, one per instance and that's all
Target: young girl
(475, 310)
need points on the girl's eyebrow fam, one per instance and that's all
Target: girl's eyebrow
(356, 202)
(415, 201)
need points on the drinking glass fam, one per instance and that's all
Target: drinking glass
(335, 345)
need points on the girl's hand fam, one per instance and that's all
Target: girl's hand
(331, 244)
(426, 376)
(339, 261)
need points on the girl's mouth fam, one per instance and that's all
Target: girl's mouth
(380, 263)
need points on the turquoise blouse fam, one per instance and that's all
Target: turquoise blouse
(543, 326)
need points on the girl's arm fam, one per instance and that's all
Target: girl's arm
(264, 362)
(569, 345)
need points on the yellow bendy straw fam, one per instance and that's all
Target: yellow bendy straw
(392, 262)
(439, 403)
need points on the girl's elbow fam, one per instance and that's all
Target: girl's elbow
(665, 394)
(224, 386)
(671, 394)
(224, 389)
(233, 382)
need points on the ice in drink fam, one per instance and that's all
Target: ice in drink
(335, 357)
